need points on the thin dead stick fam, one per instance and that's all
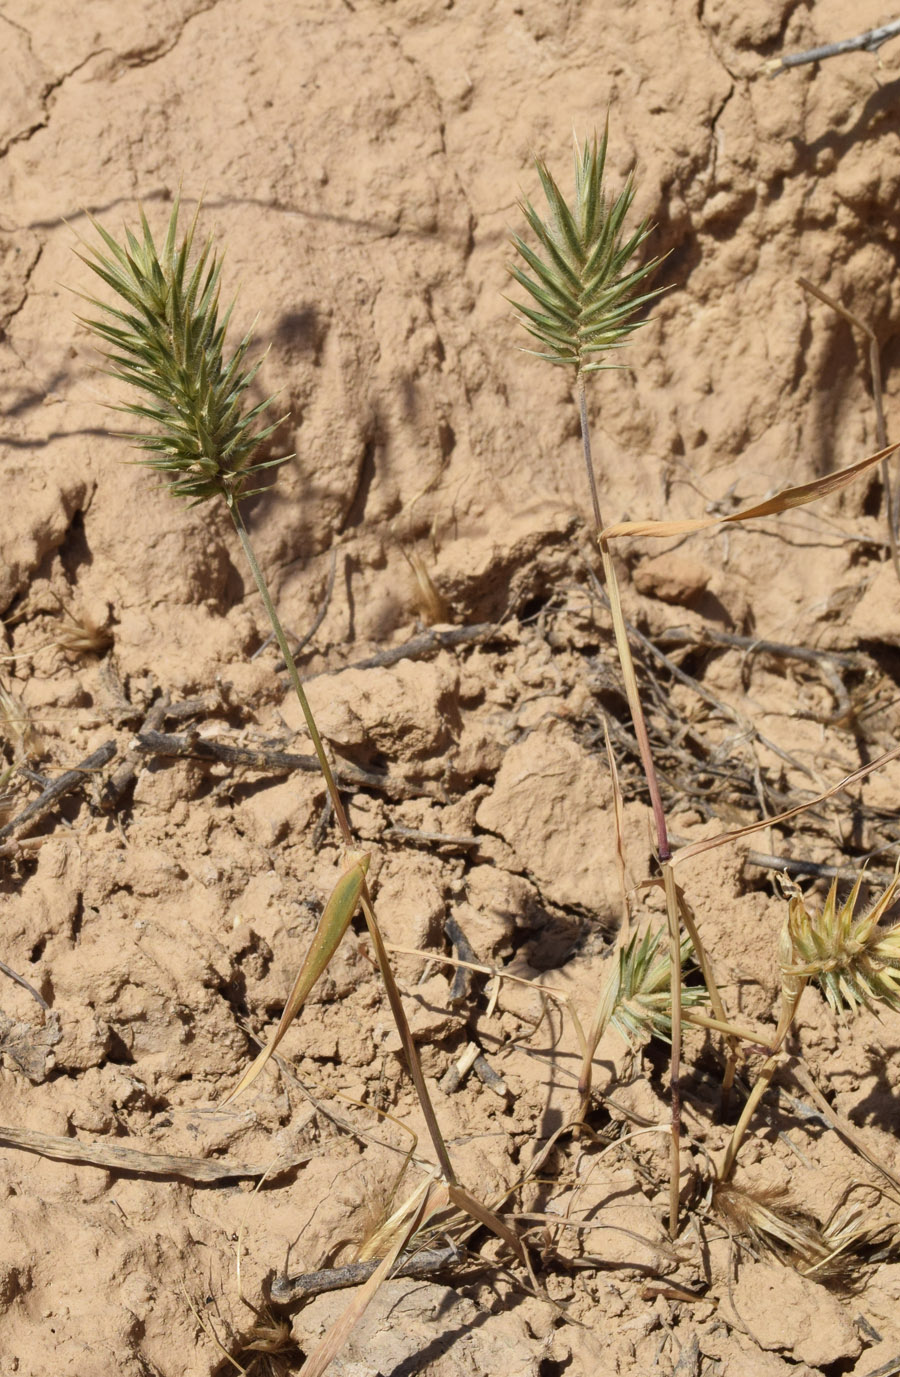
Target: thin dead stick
(18, 849)
(823, 660)
(117, 1158)
(676, 635)
(877, 398)
(20, 980)
(456, 1073)
(198, 747)
(462, 947)
(473, 1059)
(788, 866)
(426, 644)
(287, 1290)
(489, 1078)
(726, 838)
(193, 707)
(396, 832)
(868, 42)
(123, 777)
(56, 790)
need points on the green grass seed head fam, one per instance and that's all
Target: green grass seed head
(584, 290)
(165, 338)
(639, 994)
(855, 961)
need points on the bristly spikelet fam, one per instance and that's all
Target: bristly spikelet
(167, 340)
(638, 996)
(829, 1254)
(855, 962)
(582, 286)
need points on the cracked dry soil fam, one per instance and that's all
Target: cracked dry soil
(361, 163)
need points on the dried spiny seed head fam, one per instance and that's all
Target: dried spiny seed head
(82, 635)
(853, 959)
(768, 1217)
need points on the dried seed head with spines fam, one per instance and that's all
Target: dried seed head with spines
(167, 340)
(831, 1253)
(855, 961)
(582, 285)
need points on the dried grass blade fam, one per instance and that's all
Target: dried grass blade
(772, 506)
(725, 838)
(490, 1219)
(332, 926)
(115, 1157)
(423, 1206)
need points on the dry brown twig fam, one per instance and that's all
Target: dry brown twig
(57, 789)
(868, 42)
(197, 747)
(115, 1157)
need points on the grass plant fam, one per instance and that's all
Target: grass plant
(167, 340)
(166, 336)
(586, 293)
(855, 962)
(586, 296)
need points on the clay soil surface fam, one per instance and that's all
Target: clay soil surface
(361, 163)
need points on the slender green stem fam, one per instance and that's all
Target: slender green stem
(413, 1063)
(588, 458)
(762, 1083)
(333, 794)
(632, 692)
(622, 644)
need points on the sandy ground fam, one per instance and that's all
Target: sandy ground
(361, 162)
